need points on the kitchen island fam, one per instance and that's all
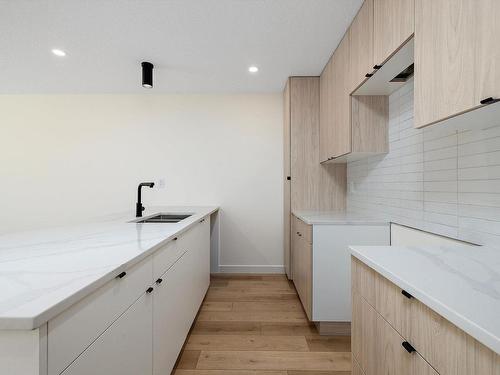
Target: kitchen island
(112, 296)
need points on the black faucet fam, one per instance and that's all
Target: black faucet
(138, 206)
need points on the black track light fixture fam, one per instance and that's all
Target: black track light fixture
(147, 74)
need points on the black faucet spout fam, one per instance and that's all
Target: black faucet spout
(138, 206)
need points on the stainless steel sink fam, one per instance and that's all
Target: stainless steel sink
(164, 218)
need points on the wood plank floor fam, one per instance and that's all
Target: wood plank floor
(255, 325)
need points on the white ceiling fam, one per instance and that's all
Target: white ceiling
(197, 46)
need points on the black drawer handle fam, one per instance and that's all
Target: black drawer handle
(368, 75)
(489, 100)
(175, 238)
(406, 294)
(408, 347)
(121, 275)
(149, 290)
(159, 281)
(377, 67)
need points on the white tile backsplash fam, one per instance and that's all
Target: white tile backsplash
(439, 179)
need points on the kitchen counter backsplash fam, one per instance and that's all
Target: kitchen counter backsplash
(439, 179)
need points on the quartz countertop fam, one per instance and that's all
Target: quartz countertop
(460, 283)
(44, 272)
(337, 217)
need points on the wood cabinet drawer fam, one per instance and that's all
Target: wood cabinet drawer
(303, 230)
(72, 331)
(446, 347)
(125, 348)
(363, 280)
(377, 346)
(383, 295)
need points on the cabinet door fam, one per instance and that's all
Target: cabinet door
(172, 313)
(303, 278)
(326, 104)
(363, 326)
(125, 348)
(393, 25)
(487, 59)
(445, 39)
(286, 182)
(304, 102)
(341, 101)
(361, 40)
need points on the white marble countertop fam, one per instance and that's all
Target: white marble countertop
(44, 272)
(337, 217)
(460, 283)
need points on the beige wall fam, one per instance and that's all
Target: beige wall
(67, 159)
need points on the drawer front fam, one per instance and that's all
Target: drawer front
(446, 347)
(363, 280)
(392, 304)
(72, 331)
(378, 347)
(305, 230)
(166, 256)
(125, 348)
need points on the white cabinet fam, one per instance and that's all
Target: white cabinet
(332, 266)
(178, 295)
(72, 331)
(125, 348)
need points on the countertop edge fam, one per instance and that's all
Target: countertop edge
(364, 221)
(34, 322)
(480, 334)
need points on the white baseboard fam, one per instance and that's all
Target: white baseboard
(231, 268)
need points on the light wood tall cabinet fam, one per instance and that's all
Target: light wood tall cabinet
(393, 25)
(308, 185)
(457, 66)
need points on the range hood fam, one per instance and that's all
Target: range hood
(393, 74)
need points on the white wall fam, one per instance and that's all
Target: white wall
(67, 159)
(441, 179)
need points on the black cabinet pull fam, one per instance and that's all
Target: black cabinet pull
(489, 100)
(288, 178)
(300, 235)
(175, 238)
(368, 75)
(149, 290)
(121, 275)
(406, 294)
(159, 281)
(408, 347)
(377, 67)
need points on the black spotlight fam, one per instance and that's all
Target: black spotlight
(147, 74)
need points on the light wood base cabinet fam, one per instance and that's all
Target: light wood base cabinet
(321, 264)
(384, 319)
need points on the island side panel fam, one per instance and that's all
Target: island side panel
(23, 352)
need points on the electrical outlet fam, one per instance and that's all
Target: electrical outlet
(161, 183)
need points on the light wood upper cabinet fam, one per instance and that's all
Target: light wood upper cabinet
(445, 38)
(393, 25)
(335, 109)
(341, 101)
(361, 40)
(326, 130)
(487, 56)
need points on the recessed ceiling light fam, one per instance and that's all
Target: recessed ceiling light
(253, 69)
(58, 52)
